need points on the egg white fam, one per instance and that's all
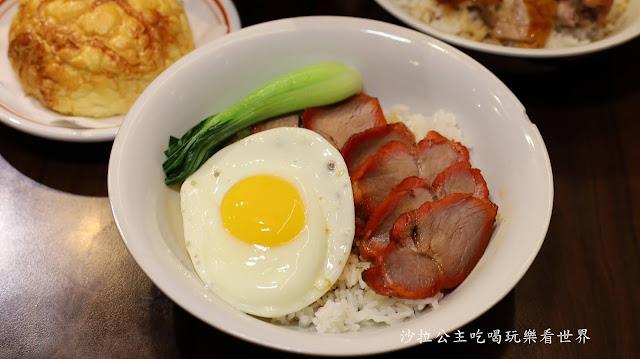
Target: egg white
(277, 280)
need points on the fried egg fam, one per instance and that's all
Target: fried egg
(269, 220)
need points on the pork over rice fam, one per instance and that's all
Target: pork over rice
(352, 304)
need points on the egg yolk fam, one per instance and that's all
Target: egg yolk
(264, 210)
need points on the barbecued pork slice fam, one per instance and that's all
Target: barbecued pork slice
(436, 153)
(289, 120)
(453, 232)
(602, 7)
(577, 13)
(405, 273)
(374, 179)
(597, 3)
(475, 2)
(410, 194)
(338, 122)
(365, 144)
(460, 178)
(433, 247)
(373, 277)
(529, 22)
(568, 12)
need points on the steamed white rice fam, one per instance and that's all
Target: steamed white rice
(442, 121)
(466, 22)
(350, 304)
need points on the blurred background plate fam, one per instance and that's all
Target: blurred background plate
(627, 28)
(209, 19)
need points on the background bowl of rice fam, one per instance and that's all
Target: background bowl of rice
(399, 66)
(458, 28)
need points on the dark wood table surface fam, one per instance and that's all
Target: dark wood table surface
(69, 288)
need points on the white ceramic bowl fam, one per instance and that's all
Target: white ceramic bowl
(398, 65)
(627, 28)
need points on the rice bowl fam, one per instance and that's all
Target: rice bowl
(424, 73)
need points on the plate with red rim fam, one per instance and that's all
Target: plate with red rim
(209, 20)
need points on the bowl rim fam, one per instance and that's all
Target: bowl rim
(605, 43)
(267, 334)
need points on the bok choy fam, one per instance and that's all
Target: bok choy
(314, 85)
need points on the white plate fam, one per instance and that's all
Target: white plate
(209, 19)
(627, 29)
(398, 65)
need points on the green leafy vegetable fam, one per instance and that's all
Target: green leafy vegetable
(315, 85)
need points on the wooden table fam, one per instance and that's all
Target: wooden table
(69, 288)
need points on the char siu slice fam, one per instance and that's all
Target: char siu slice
(407, 196)
(437, 153)
(375, 178)
(597, 3)
(365, 144)
(460, 178)
(568, 13)
(601, 9)
(290, 120)
(338, 122)
(529, 22)
(453, 232)
(576, 13)
(433, 247)
(373, 278)
(360, 226)
(409, 274)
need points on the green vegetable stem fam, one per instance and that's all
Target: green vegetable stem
(314, 85)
